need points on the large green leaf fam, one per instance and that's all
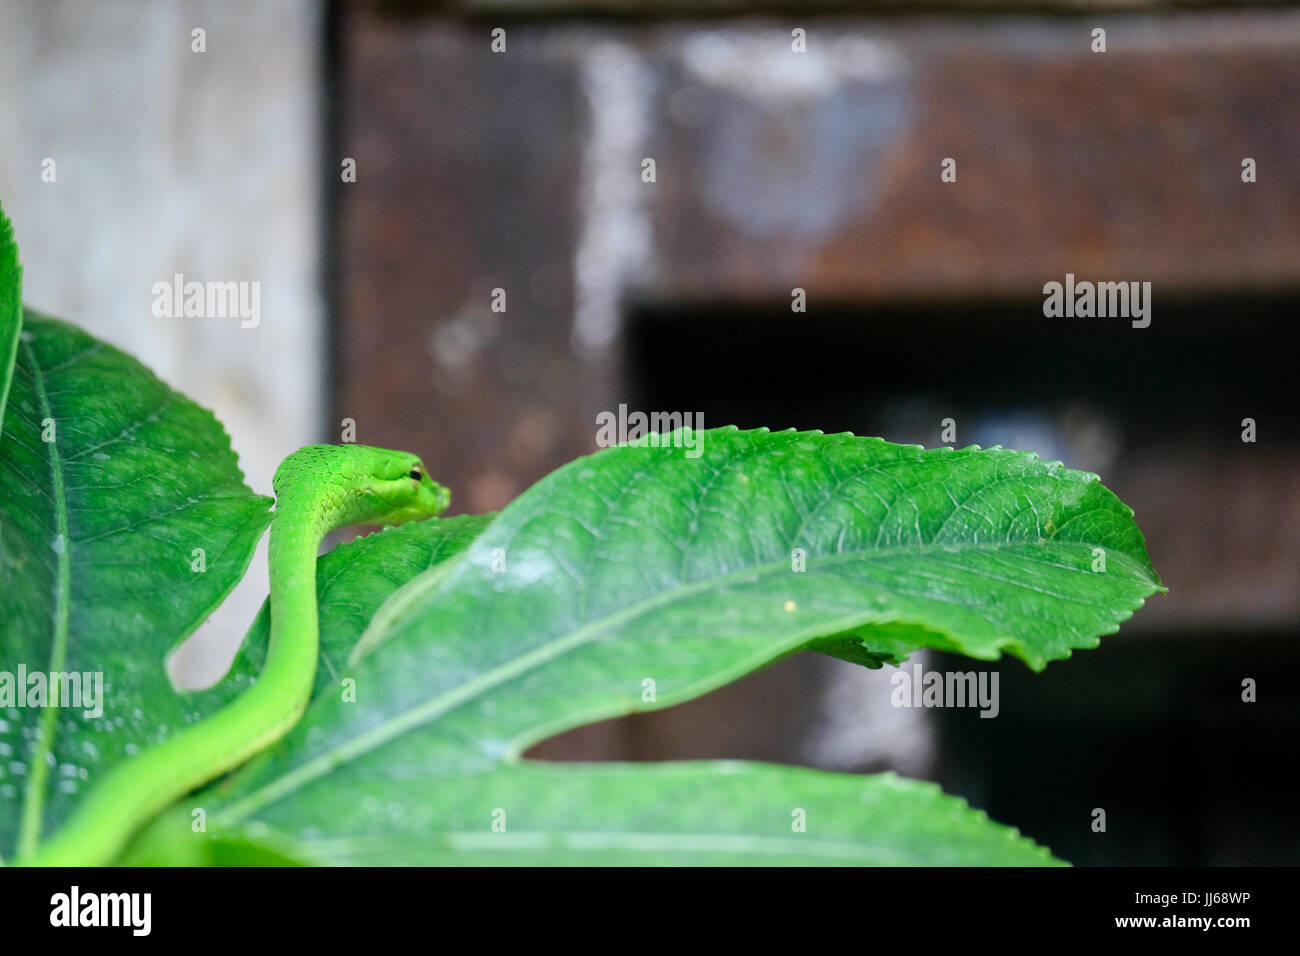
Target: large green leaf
(11, 306)
(124, 522)
(700, 814)
(639, 564)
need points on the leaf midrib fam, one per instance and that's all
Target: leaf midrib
(434, 707)
(29, 832)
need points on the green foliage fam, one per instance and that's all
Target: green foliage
(628, 580)
(124, 523)
(11, 306)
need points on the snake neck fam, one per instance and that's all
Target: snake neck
(301, 521)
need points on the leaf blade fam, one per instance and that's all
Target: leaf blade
(11, 307)
(112, 480)
(711, 813)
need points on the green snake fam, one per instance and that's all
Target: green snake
(317, 488)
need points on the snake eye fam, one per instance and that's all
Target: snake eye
(416, 475)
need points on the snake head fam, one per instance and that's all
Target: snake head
(358, 484)
(400, 487)
(386, 487)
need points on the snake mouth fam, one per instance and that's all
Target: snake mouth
(432, 500)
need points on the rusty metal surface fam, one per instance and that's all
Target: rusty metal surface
(678, 9)
(464, 185)
(1123, 163)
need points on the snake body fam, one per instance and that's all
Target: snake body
(317, 488)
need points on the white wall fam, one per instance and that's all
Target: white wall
(168, 161)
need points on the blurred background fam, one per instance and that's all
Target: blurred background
(463, 251)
